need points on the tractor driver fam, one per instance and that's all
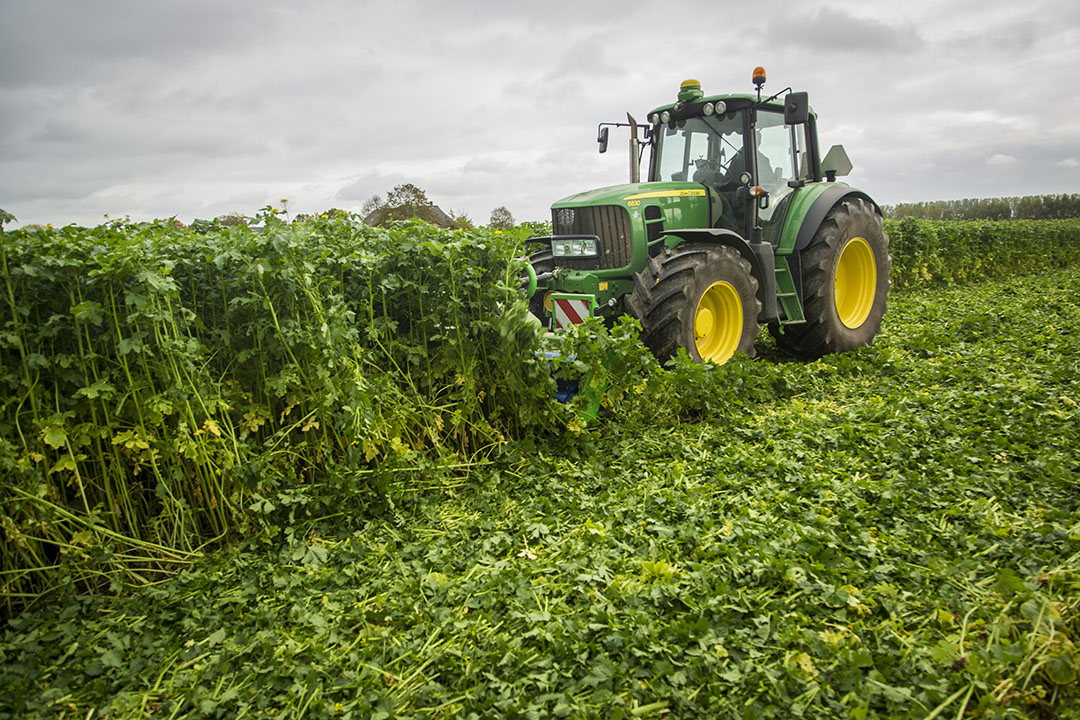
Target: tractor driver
(737, 166)
(727, 179)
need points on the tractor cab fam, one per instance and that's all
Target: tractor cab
(750, 155)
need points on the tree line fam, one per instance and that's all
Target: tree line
(1031, 207)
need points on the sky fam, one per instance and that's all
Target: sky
(199, 108)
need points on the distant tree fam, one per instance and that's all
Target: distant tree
(370, 205)
(996, 209)
(1028, 208)
(1059, 207)
(501, 219)
(460, 221)
(407, 201)
(231, 219)
(407, 195)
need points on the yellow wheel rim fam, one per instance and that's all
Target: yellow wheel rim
(547, 300)
(718, 323)
(856, 282)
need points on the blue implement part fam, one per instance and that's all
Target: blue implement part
(567, 389)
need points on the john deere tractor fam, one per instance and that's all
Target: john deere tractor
(740, 222)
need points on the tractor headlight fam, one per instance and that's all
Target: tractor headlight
(574, 247)
(566, 218)
(708, 109)
(721, 107)
(654, 118)
(665, 117)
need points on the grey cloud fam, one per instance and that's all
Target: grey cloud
(204, 107)
(61, 130)
(111, 33)
(487, 165)
(586, 56)
(37, 186)
(951, 174)
(370, 183)
(833, 30)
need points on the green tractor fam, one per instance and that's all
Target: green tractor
(741, 222)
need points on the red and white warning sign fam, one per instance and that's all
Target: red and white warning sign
(571, 309)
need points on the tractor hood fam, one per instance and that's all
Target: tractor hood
(610, 195)
(630, 195)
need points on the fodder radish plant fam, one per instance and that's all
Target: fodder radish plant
(163, 386)
(936, 251)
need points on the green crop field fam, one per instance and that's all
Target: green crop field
(316, 472)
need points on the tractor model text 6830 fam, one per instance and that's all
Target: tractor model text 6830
(740, 222)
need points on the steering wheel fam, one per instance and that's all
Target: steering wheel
(707, 171)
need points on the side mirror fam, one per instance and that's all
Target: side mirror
(602, 139)
(796, 108)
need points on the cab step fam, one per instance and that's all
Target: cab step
(787, 294)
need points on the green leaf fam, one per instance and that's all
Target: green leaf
(88, 312)
(1061, 669)
(1009, 583)
(55, 437)
(112, 659)
(66, 462)
(99, 389)
(128, 345)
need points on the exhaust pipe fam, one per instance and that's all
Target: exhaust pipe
(635, 153)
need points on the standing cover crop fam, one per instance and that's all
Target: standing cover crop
(935, 251)
(163, 386)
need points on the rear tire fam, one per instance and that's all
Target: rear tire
(699, 297)
(845, 277)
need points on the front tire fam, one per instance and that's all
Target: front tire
(699, 297)
(845, 275)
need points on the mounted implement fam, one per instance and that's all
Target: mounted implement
(741, 222)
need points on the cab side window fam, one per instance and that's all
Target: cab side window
(778, 147)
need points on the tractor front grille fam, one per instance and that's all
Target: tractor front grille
(610, 223)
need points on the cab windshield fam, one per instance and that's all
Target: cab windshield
(699, 149)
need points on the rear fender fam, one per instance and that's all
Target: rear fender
(810, 220)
